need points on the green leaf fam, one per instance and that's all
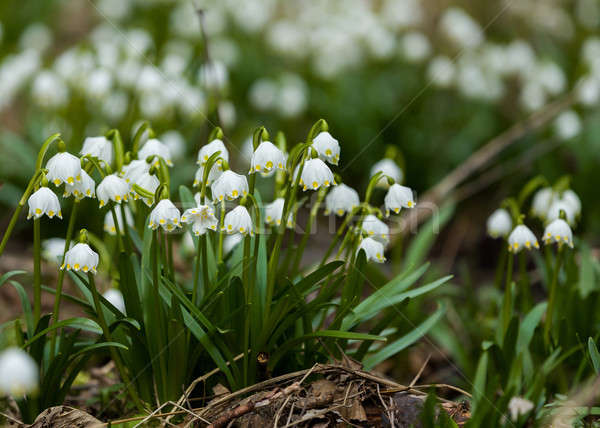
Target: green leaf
(528, 326)
(587, 277)
(594, 355)
(25, 304)
(97, 346)
(76, 323)
(9, 275)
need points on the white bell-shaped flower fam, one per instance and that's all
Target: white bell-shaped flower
(327, 147)
(341, 199)
(154, 147)
(149, 183)
(238, 220)
(98, 147)
(266, 158)
(230, 186)
(112, 188)
(541, 202)
(53, 249)
(571, 198)
(561, 205)
(499, 223)
(81, 258)
(376, 229)
(373, 249)
(202, 218)
(115, 298)
(274, 213)
(63, 167)
(521, 237)
(518, 406)
(166, 215)
(44, 201)
(211, 148)
(134, 170)
(389, 169)
(558, 231)
(109, 221)
(316, 174)
(86, 188)
(19, 373)
(214, 173)
(398, 197)
(231, 241)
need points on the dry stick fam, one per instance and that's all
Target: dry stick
(420, 372)
(483, 156)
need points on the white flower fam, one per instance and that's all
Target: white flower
(571, 198)
(541, 202)
(214, 173)
(44, 201)
(99, 147)
(398, 197)
(231, 241)
(561, 205)
(175, 142)
(86, 188)
(373, 249)
(155, 147)
(558, 231)
(499, 223)
(202, 218)
(341, 199)
(266, 158)
(274, 212)
(327, 147)
(230, 186)
(567, 125)
(112, 188)
(148, 182)
(53, 249)
(63, 168)
(389, 169)
(134, 170)
(441, 71)
(109, 221)
(316, 174)
(164, 214)
(461, 28)
(115, 298)
(376, 229)
(519, 406)
(211, 148)
(81, 257)
(521, 237)
(238, 220)
(18, 372)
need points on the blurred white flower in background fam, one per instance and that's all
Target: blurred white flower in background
(18, 373)
(519, 406)
(389, 168)
(36, 36)
(115, 298)
(460, 28)
(441, 71)
(415, 46)
(567, 125)
(48, 90)
(499, 223)
(175, 142)
(53, 248)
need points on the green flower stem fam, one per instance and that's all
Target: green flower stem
(501, 266)
(159, 308)
(205, 279)
(507, 303)
(196, 272)
(37, 272)
(61, 274)
(221, 234)
(127, 238)
(117, 227)
(138, 136)
(552, 296)
(311, 219)
(338, 236)
(113, 352)
(115, 136)
(526, 298)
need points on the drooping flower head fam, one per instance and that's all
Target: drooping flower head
(166, 215)
(522, 237)
(18, 373)
(109, 221)
(154, 147)
(231, 241)
(558, 231)
(267, 157)
(376, 229)
(115, 298)
(134, 170)
(274, 213)
(44, 201)
(229, 186)
(398, 197)
(373, 249)
(556, 207)
(341, 199)
(201, 217)
(85, 188)
(149, 183)
(112, 188)
(316, 174)
(499, 223)
(98, 147)
(63, 167)
(238, 220)
(211, 148)
(214, 173)
(389, 168)
(327, 147)
(541, 202)
(571, 198)
(518, 406)
(81, 258)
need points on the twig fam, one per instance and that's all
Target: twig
(420, 372)
(18, 422)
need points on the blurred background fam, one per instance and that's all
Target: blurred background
(427, 82)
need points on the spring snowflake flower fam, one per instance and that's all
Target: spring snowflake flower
(266, 158)
(44, 201)
(231, 241)
(316, 174)
(63, 167)
(112, 188)
(499, 223)
(274, 212)
(81, 257)
(230, 186)
(376, 229)
(558, 231)
(522, 237)
(148, 182)
(154, 147)
(134, 170)
(327, 147)
(341, 199)
(238, 220)
(109, 221)
(214, 173)
(519, 406)
(571, 198)
(201, 217)
(373, 249)
(18, 372)
(53, 249)
(389, 169)
(560, 205)
(211, 148)
(398, 197)
(164, 214)
(115, 298)
(541, 202)
(86, 188)
(98, 147)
